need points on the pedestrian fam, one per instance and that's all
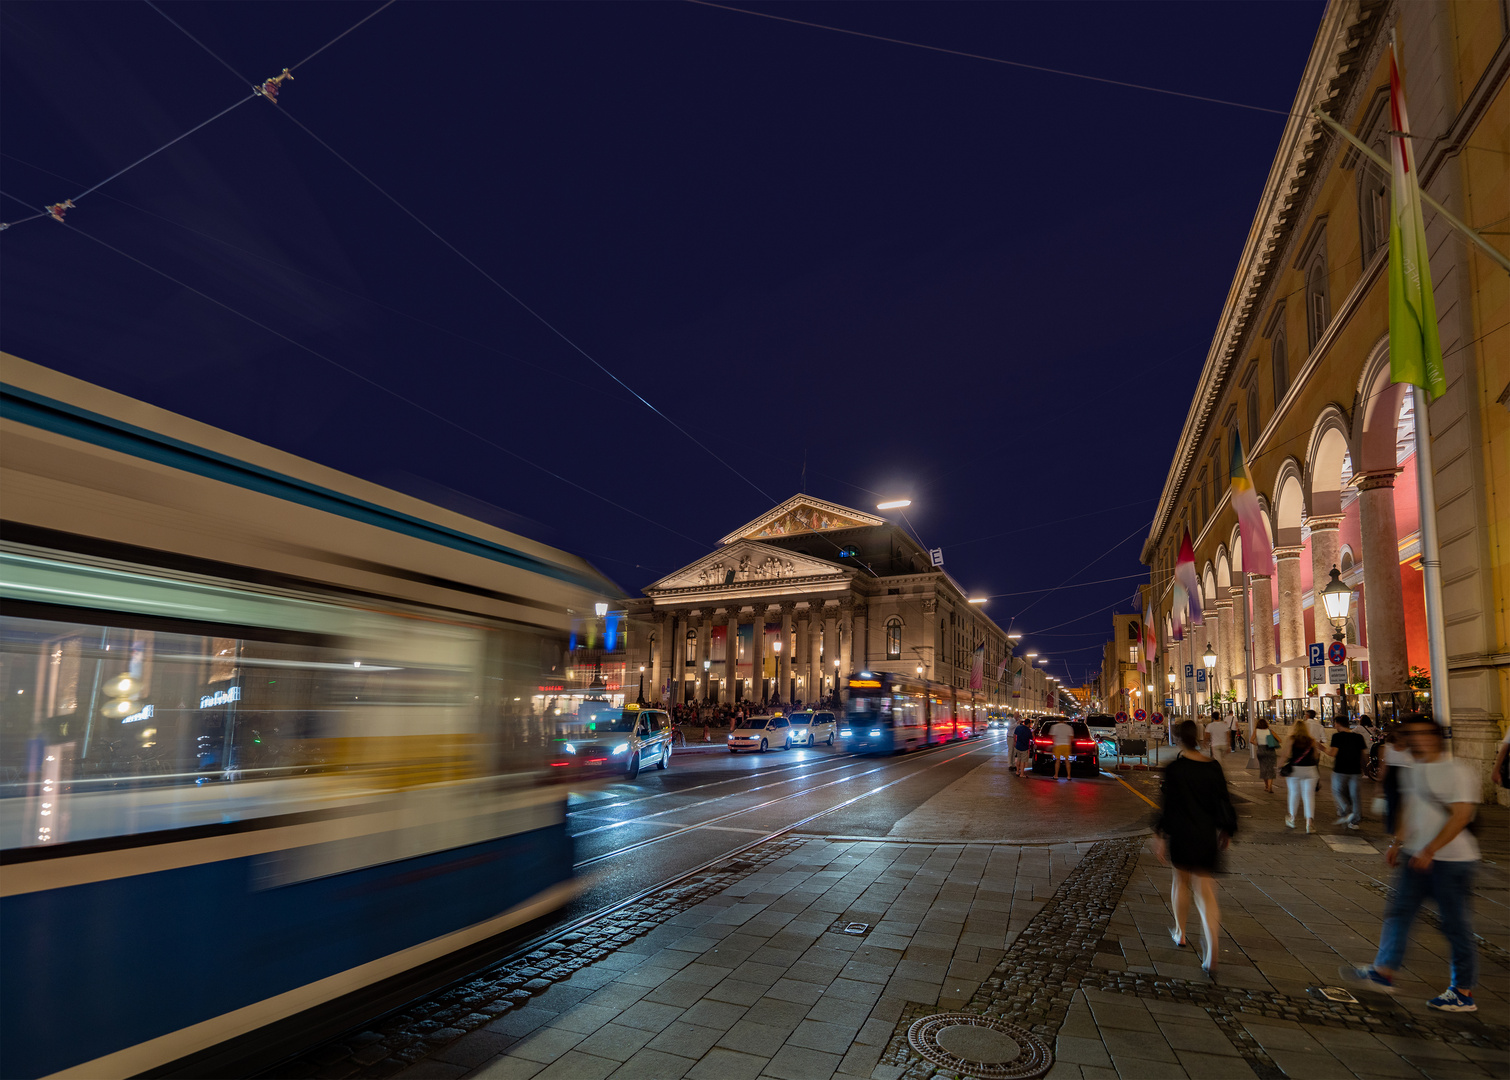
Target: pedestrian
(1434, 853)
(1064, 737)
(1268, 753)
(1346, 750)
(1219, 736)
(1397, 761)
(1301, 771)
(1022, 747)
(1501, 770)
(1195, 822)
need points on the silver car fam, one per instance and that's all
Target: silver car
(613, 740)
(761, 733)
(812, 728)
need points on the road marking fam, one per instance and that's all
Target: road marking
(1132, 789)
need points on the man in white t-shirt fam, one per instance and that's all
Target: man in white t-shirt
(1435, 854)
(1064, 738)
(1219, 735)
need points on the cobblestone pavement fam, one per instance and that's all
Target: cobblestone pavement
(749, 971)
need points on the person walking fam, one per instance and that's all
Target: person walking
(1268, 753)
(1063, 736)
(1301, 771)
(1196, 820)
(1219, 736)
(1434, 853)
(1397, 763)
(1346, 751)
(1022, 747)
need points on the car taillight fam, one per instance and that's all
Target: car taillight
(1085, 742)
(1043, 742)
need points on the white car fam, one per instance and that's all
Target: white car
(812, 728)
(761, 733)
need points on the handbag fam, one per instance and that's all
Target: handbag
(1286, 769)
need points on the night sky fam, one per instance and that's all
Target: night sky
(987, 289)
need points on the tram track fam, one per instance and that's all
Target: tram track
(745, 810)
(590, 809)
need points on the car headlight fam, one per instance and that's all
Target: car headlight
(875, 731)
(623, 746)
(731, 738)
(846, 732)
(569, 748)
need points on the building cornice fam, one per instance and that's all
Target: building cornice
(1347, 47)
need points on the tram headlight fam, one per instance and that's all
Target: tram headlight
(846, 732)
(875, 731)
(569, 748)
(621, 748)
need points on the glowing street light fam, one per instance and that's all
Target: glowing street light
(893, 504)
(1030, 655)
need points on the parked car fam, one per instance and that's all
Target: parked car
(1085, 754)
(761, 733)
(812, 728)
(606, 741)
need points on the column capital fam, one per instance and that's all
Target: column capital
(1324, 522)
(1379, 478)
(787, 608)
(804, 614)
(1235, 591)
(1292, 551)
(707, 613)
(930, 605)
(1227, 603)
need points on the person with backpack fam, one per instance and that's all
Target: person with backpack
(1195, 822)
(1268, 753)
(1302, 771)
(1434, 853)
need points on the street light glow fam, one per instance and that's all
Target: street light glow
(979, 599)
(893, 504)
(1030, 655)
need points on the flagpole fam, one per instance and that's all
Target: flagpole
(1431, 564)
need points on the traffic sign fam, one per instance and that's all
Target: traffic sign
(1337, 676)
(1200, 678)
(1169, 703)
(1317, 652)
(1139, 715)
(1336, 652)
(1189, 671)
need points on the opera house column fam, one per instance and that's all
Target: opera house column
(1383, 600)
(705, 653)
(1263, 632)
(1224, 636)
(846, 646)
(757, 655)
(677, 675)
(1326, 548)
(860, 651)
(658, 658)
(784, 656)
(1292, 619)
(830, 649)
(809, 655)
(731, 654)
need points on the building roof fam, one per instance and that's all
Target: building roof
(802, 514)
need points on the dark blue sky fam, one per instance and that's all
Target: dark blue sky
(985, 288)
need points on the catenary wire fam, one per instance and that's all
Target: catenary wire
(999, 60)
(385, 389)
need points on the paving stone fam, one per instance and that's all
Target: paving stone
(615, 1041)
(800, 1063)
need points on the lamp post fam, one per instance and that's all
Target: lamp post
(776, 687)
(1209, 659)
(642, 684)
(1171, 682)
(836, 682)
(707, 679)
(1337, 598)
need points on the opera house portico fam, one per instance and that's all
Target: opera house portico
(802, 595)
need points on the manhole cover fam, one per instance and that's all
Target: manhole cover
(980, 1046)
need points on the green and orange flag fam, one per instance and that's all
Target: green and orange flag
(1415, 352)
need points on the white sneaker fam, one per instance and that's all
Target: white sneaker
(1343, 820)
(1289, 821)
(1308, 824)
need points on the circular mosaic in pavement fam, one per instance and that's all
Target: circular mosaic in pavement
(980, 1046)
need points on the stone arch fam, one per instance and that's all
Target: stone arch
(1223, 568)
(1376, 418)
(1235, 546)
(1268, 514)
(1326, 461)
(1208, 587)
(1289, 504)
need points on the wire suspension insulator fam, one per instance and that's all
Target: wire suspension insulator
(269, 88)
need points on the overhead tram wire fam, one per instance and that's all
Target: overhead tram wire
(385, 389)
(58, 209)
(999, 60)
(462, 255)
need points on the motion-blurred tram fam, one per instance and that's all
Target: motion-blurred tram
(269, 735)
(889, 713)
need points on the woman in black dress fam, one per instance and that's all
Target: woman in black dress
(1191, 832)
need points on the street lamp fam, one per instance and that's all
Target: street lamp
(1337, 598)
(893, 504)
(775, 681)
(920, 671)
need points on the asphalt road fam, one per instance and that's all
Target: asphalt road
(631, 835)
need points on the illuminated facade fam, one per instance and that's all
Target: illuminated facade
(835, 588)
(1299, 365)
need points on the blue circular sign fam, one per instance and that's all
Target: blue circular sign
(1337, 652)
(1139, 715)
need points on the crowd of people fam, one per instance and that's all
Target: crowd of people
(1429, 804)
(693, 719)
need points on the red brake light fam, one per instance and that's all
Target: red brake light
(1043, 742)
(1085, 742)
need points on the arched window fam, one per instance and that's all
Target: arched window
(1281, 360)
(893, 638)
(1318, 310)
(1252, 418)
(691, 648)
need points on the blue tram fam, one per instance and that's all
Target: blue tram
(269, 735)
(889, 713)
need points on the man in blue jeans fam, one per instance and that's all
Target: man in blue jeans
(1434, 855)
(1347, 750)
